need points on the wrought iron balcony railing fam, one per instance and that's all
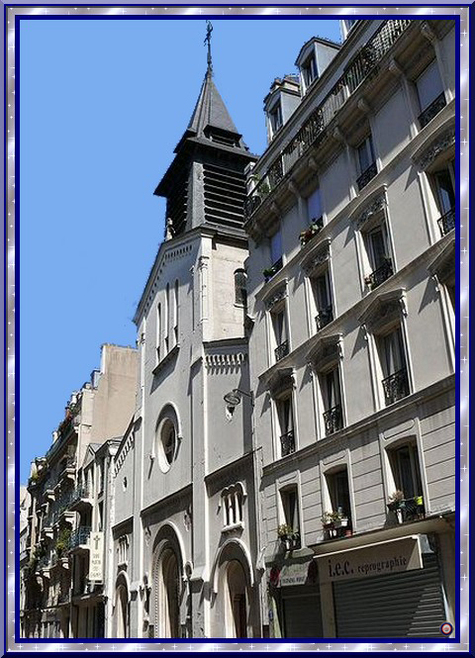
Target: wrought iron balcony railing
(380, 275)
(396, 386)
(333, 419)
(362, 67)
(447, 222)
(324, 317)
(408, 509)
(433, 110)
(281, 350)
(287, 443)
(79, 493)
(80, 536)
(367, 175)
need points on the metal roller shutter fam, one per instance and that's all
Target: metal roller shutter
(302, 616)
(408, 604)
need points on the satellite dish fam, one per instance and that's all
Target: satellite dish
(232, 398)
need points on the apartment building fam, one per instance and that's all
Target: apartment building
(65, 507)
(351, 292)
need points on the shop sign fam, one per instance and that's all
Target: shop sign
(96, 556)
(367, 561)
(297, 573)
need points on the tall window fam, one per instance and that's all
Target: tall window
(285, 418)
(339, 492)
(443, 185)
(322, 299)
(405, 470)
(393, 365)
(240, 287)
(366, 162)
(175, 312)
(378, 252)
(430, 93)
(159, 330)
(279, 326)
(314, 205)
(290, 508)
(309, 70)
(276, 250)
(275, 118)
(331, 396)
(167, 319)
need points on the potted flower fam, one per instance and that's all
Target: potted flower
(269, 272)
(307, 234)
(395, 501)
(287, 535)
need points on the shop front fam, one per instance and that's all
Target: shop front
(390, 589)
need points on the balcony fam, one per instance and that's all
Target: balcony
(433, 110)
(333, 420)
(80, 498)
(408, 509)
(80, 538)
(447, 222)
(68, 467)
(380, 275)
(367, 175)
(396, 386)
(287, 443)
(362, 67)
(324, 317)
(281, 350)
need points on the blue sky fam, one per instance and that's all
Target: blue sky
(103, 103)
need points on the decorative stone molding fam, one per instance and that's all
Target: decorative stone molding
(276, 297)
(395, 68)
(226, 361)
(440, 144)
(338, 136)
(281, 381)
(318, 259)
(326, 353)
(375, 206)
(312, 164)
(126, 448)
(293, 188)
(442, 268)
(386, 310)
(428, 32)
(364, 106)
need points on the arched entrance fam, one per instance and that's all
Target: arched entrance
(121, 612)
(168, 600)
(237, 604)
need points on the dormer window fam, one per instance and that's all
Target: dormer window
(309, 70)
(275, 118)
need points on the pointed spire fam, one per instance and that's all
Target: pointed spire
(209, 29)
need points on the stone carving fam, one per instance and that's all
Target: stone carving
(320, 258)
(439, 145)
(377, 205)
(277, 297)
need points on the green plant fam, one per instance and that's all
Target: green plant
(331, 517)
(285, 531)
(62, 542)
(269, 272)
(314, 228)
(396, 497)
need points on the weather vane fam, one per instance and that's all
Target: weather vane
(209, 29)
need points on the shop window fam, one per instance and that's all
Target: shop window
(376, 242)
(322, 299)
(240, 287)
(393, 365)
(290, 526)
(285, 419)
(430, 93)
(331, 397)
(366, 162)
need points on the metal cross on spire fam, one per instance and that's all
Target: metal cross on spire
(209, 29)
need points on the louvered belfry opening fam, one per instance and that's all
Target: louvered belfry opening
(224, 194)
(177, 202)
(205, 183)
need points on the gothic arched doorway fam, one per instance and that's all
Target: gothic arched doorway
(167, 600)
(237, 605)
(122, 611)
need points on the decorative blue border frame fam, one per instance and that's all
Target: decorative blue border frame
(213, 645)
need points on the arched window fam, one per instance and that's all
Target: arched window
(240, 287)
